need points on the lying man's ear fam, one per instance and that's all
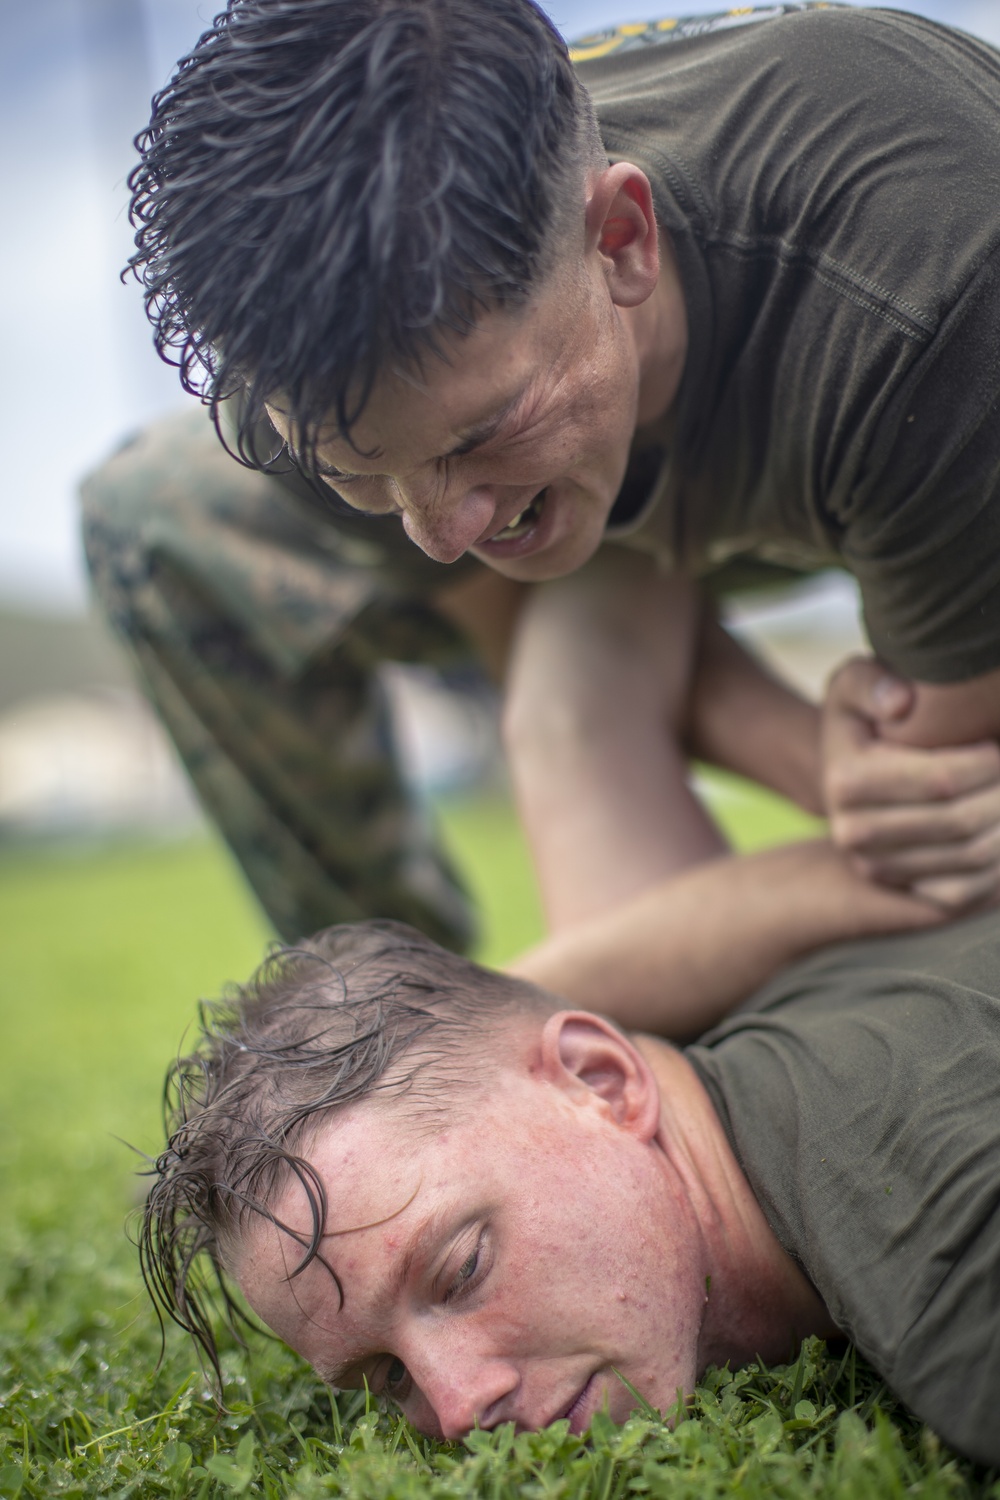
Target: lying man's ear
(592, 1060)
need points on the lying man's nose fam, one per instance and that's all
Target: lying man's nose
(470, 1396)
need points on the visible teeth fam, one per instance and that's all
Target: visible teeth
(527, 516)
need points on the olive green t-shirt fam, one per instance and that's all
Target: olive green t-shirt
(860, 1091)
(830, 178)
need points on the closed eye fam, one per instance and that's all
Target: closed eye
(469, 1275)
(397, 1380)
(329, 472)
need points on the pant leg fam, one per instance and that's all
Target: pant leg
(258, 621)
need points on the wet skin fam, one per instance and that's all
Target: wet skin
(534, 410)
(500, 1262)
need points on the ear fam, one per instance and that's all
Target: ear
(621, 229)
(592, 1061)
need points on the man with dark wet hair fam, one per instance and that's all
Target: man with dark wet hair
(744, 327)
(488, 1205)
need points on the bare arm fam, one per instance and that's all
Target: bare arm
(678, 957)
(744, 719)
(597, 693)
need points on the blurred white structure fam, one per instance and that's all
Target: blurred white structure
(89, 764)
(81, 753)
(448, 740)
(803, 632)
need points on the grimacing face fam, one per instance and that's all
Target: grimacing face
(514, 446)
(499, 1268)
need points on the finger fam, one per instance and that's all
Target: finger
(958, 893)
(965, 857)
(875, 831)
(849, 725)
(862, 685)
(883, 774)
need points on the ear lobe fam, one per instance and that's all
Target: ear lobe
(591, 1059)
(621, 228)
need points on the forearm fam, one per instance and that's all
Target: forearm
(677, 958)
(743, 719)
(605, 804)
(597, 688)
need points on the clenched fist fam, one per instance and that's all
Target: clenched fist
(927, 820)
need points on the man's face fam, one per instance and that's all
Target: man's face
(515, 447)
(497, 1267)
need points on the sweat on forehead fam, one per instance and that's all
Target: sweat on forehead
(357, 1011)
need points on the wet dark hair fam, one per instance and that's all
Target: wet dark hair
(372, 1007)
(328, 185)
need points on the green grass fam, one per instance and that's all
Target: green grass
(103, 956)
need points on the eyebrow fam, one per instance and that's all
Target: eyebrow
(470, 438)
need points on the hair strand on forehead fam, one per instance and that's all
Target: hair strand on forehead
(359, 1011)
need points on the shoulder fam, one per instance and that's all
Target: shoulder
(796, 33)
(867, 139)
(822, 79)
(861, 1090)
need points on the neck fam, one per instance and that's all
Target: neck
(758, 1303)
(660, 332)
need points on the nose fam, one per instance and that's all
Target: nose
(465, 1392)
(444, 525)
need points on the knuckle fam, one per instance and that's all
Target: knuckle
(941, 782)
(849, 831)
(835, 679)
(838, 688)
(849, 670)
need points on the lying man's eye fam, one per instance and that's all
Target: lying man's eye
(466, 1273)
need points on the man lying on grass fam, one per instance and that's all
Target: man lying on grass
(442, 1182)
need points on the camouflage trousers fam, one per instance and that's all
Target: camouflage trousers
(258, 620)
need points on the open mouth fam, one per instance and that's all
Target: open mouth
(522, 523)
